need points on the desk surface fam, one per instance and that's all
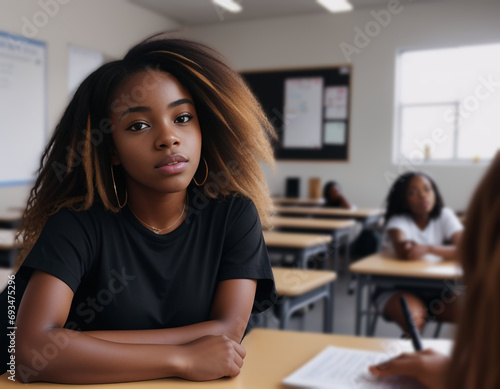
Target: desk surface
(386, 265)
(313, 224)
(296, 201)
(294, 239)
(271, 356)
(7, 239)
(323, 211)
(11, 215)
(293, 282)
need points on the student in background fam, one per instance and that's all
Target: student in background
(332, 193)
(476, 351)
(417, 225)
(143, 248)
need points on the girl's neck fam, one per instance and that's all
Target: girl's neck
(159, 211)
(421, 220)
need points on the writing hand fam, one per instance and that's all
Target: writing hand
(428, 367)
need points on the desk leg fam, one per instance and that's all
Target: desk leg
(336, 246)
(359, 300)
(285, 314)
(302, 258)
(329, 308)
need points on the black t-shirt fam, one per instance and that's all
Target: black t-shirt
(125, 277)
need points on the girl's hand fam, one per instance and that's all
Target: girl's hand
(210, 357)
(428, 367)
(414, 250)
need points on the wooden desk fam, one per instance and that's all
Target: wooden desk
(301, 246)
(368, 216)
(10, 218)
(271, 356)
(7, 247)
(4, 277)
(297, 201)
(385, 270)
(297, 288)
(337, 228)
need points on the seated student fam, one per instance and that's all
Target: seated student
(417, 225)
(332, 193)
(364, 242)
(143, 247)
(476, 352)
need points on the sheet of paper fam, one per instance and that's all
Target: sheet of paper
(334, 133)
(343, 368)
(336, 102)
(303, 112)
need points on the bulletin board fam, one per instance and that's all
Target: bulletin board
(23, 96)
(309, 109)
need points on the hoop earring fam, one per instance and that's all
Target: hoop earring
(116, 192)
(206, 173)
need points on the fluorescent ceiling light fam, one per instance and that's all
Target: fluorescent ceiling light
(230, 5)
(335, 5)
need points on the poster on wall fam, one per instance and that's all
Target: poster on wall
(23, 85)
(303, 105)
(336, 102)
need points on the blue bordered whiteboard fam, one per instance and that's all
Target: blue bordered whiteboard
(23, 92)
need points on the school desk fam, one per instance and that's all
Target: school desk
(10, 218)
(7, 247)
(300, 246)
(297, 288)
(367, 216)
(297, 201)
(385, 270)
(4, 277)
(271, 356)
(337, 228)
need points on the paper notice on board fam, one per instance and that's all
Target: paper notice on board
(335, 133)
(303, 112)
(343, 368)
(336, 102)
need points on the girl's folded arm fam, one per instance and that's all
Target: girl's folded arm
(229, 316)
(48, 352)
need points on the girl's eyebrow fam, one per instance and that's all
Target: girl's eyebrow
(148, 109)
(179, 102)
(135, 109)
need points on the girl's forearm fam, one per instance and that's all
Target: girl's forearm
(172, 336)
(65, 356)
(443, 251)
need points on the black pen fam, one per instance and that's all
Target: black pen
(415, 336)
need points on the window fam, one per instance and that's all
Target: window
(448, 104)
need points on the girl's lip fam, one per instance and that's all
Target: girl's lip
(172, 169)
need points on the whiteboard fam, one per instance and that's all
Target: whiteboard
(303, 112)
(23, 86)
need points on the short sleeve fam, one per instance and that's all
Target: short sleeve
(398, 223)
(450, 223)
(64, 248)
(244, 253)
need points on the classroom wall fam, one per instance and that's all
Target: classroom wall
(314, 40)
(110, 26)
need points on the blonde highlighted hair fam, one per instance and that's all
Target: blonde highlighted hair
(75, 168)
(477, 346)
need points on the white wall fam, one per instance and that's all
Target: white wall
(110, 26)
(314, 40)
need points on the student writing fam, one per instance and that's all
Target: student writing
(144, 252)
(476, 352)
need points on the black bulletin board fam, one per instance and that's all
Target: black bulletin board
(269, 88)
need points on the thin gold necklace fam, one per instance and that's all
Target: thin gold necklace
(159, 230)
